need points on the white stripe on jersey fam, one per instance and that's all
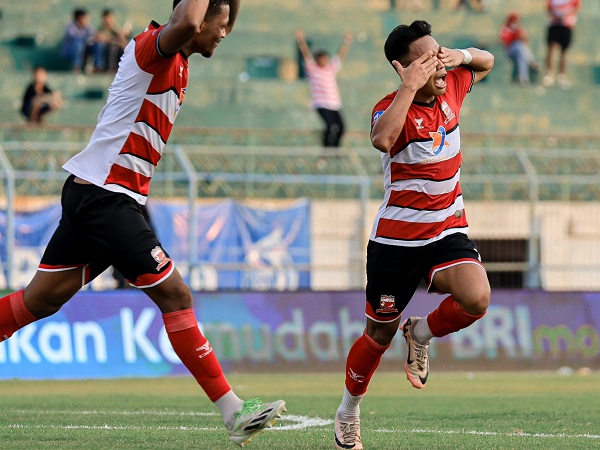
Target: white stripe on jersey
(163, 102)
(423, 216)
(138, 165)
(403, 243)
(150, 134)
(428, 187)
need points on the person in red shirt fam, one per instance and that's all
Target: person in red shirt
(563, 18)
(514, 39)
(420, 230)
(102, 221)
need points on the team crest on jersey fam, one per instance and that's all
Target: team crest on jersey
(160, 257)
(419, 123)
(387, 304)
(445, 107)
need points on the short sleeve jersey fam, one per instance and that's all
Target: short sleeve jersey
(423, 199)
(134, 125)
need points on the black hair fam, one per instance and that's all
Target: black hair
(107, 12)
(214, 7)
(79, 13)
(398, 42)
(320, 53)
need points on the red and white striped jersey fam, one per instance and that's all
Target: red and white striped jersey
(323, 84)
(423, 200)
(563, 12)
(134, 125)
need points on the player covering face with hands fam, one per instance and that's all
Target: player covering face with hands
(102, 223)
(420, 230)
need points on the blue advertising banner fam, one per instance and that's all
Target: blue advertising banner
(238, 247)
(121, 334)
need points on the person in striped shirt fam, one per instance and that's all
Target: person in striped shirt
(420, 231)
(322, 70)
(102, 222)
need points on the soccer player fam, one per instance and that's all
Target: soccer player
(420, 231)
(102, 223)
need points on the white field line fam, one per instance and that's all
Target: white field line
(297, 423)
(492, 433)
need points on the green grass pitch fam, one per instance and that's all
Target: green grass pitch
(532, 410)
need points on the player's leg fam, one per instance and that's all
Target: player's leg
(392, 278)
(337, 129)
(456, 270)
(135, 251)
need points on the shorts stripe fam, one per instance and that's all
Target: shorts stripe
(448, 264)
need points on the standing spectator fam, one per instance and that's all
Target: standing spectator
(78, 40)
(325, 95)
(514, 39)
(420, 231)
(563, 18)
(39, 99)
(102, 223)
(110, 43)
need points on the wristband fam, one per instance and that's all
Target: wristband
(468, 56)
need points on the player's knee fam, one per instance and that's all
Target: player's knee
(478, 301)
(382, 333)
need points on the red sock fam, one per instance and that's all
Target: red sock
(363, 360)
(449, 317)
(14, 315)
(196, 353)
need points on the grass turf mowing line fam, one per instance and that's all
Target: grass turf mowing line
(483, 411)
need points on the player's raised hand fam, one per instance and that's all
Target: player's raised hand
(415, 75)
(450, 57)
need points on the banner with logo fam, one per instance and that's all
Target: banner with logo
(121, 334)
(237, 247)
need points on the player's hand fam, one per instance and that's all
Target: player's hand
(450, 57)
(418, 72)
(299, 35)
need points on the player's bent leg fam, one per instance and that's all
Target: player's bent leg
(243, 419)
(48, 291)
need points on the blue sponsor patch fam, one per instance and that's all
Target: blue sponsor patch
(376, 116)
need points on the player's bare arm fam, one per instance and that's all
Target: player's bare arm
(482, 62)
(234, 7)
(303, 46)
(185, 22)
(386, 130)
(345, 47)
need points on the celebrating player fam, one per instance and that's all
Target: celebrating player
(102, 223)
(420, 231)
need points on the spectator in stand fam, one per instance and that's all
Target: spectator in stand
(39, 99)
(110, 43)
(78, 40)
(325, 96)
(563, 18)
(514, 39)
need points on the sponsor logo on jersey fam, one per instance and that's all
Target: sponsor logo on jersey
(419, 123)
(445, 107)
(439, 140)
(387, 304)
(376, 116)
(160, 257)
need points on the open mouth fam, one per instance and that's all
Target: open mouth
(440, 82)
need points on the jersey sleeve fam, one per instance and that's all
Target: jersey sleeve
(147, 53)
(379, 109)
(461, 79)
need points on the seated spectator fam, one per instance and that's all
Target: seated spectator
(514, 39)
(78, 40)
(110, 43)
(39, 99)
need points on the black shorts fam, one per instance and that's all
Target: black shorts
(394, 272)
(561, 35)
(100, 228)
